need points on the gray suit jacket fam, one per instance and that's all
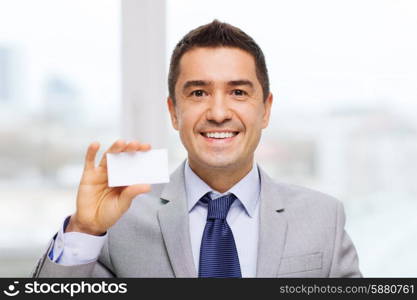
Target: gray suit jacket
(301, 234)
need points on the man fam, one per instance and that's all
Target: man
(220, 215)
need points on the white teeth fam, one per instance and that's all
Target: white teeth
(219, 135)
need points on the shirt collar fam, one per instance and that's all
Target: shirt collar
(247, 190)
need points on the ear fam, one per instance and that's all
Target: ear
(267, 112)
(172, 112)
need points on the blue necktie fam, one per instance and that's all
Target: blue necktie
(218, 254)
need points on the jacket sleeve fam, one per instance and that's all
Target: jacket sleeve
(345, 262)
(47, 268)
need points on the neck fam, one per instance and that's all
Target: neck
(221, 179)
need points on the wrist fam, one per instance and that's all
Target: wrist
(75, 226)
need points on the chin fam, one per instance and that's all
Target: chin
(218, 162)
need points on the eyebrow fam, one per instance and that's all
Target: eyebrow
(195, 83)
(240, 82)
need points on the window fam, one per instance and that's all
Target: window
(59, 90)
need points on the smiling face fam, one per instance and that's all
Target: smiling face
(219, 108)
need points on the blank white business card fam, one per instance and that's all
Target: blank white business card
(127, 168)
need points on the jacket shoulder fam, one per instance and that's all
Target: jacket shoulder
(307, 205)
(295, 195)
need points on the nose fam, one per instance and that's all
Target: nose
(219, 110)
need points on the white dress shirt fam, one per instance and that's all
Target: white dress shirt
(243, 216)
(73, 248)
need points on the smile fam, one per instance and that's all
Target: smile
(220, 134)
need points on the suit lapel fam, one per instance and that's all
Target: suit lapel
(272, 228)
(174, 223)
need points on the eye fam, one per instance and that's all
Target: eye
(238, 92)
(198, 93)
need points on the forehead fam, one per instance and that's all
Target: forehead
(217, 64)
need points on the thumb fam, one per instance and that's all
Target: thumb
(131, 191)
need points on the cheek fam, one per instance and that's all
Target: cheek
(251, 117)
(187, 119)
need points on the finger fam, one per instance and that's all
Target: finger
(144, 147)
(136, 146)
(116, 147)
(132, 146)
(131, 192)
(90, 156)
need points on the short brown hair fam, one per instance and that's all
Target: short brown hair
(213, 35)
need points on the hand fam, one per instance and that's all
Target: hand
(98, 205)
